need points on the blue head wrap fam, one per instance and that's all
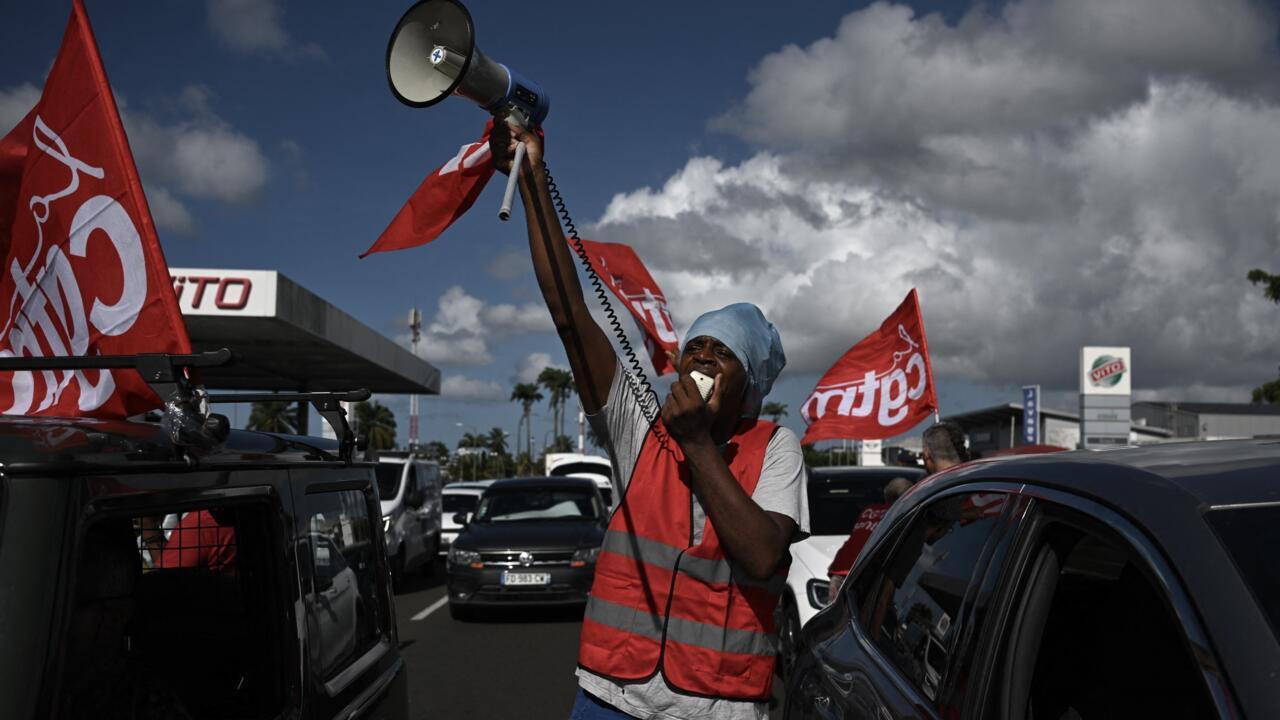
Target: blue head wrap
(753, 340)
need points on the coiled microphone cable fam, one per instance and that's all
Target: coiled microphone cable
(639, 383)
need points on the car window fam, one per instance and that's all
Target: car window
(909, 601)
(186, 620)
(388, 474)
(456, 503)
(568, 469)
(343, 611)
(1092, 636)
(535, 503)
(1252, 536)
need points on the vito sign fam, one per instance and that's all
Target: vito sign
(1105, 371)
(239, 293)
(881, 387)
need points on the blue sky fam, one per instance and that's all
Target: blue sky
(927, 120)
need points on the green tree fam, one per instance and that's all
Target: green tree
(526, 394)
(497, 441)
(471, 440)
(436, 450)
(1267, 392)
(774, 410)
(1271, 283)
(377, 422)
(559, 385)
(274, 416)
(562, 444)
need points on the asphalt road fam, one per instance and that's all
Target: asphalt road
(516, 664)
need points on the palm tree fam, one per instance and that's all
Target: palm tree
(526, 394)
(497, 441)
(274, 416)
(471, 440)
(378, 423)
(559, 385)
(774, 410)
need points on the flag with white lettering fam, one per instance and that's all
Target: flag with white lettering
(448, 192)
(83, 272)
(881, 387)
(622, 272)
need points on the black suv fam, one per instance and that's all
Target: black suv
(1130, 583)
(143, 578)
(531, 541)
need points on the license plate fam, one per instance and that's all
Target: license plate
(510, 578)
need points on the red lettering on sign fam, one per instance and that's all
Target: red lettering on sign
(200, 282)
(221, 300)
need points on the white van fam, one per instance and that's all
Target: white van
(409, 488)
(593, 467)
(458, 497)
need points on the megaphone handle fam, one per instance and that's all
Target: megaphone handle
(504, 213)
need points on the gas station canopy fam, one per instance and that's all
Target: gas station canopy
(287, 338)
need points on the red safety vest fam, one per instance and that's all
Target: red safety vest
(659, 603)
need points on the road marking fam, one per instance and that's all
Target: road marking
(431, 608)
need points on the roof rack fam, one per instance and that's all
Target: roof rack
(187, 421)
(328, 404)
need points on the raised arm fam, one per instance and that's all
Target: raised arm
(591, 355)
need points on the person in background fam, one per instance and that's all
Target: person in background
(868, 519)
(198, 540)
(944, 447)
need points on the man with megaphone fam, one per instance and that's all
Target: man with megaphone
(680, 622)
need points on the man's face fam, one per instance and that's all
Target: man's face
(711, 357)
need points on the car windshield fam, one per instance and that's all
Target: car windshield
(1251, 535)
(456, 503)
(582, 468)
(836, 500)
(536, 503)
(389, 479)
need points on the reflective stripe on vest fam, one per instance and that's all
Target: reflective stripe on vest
(720, 572)
(711, 637)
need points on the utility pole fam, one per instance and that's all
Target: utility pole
(415, 328)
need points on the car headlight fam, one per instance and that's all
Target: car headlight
(583, 557)
(817, 591)
(386, 523)
(464, 557)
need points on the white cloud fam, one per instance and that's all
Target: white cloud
(201, 154)
(533, 364)
(1043, 186)
(510, 265)
(459, 387)
(168, 212)
(15, 103)
(255, 26)
(459, 334)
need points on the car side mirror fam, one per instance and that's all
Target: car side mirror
(462, 518)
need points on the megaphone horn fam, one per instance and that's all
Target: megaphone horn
(433, 54)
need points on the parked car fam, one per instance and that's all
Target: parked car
(531, 541)
(410, 489)
(458, 498)
(837, 495)
(594, 467)
(269, 597)
(1137, 582)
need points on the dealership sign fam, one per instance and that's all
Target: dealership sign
(1105, 371)
(242, 293)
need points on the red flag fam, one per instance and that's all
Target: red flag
(623, 273)
(84, 273)
(448, 192)
(882, 387)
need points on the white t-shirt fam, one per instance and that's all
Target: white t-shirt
(622, 425)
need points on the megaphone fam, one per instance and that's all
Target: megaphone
(432, 55)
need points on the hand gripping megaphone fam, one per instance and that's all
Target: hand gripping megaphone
(433, 54)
